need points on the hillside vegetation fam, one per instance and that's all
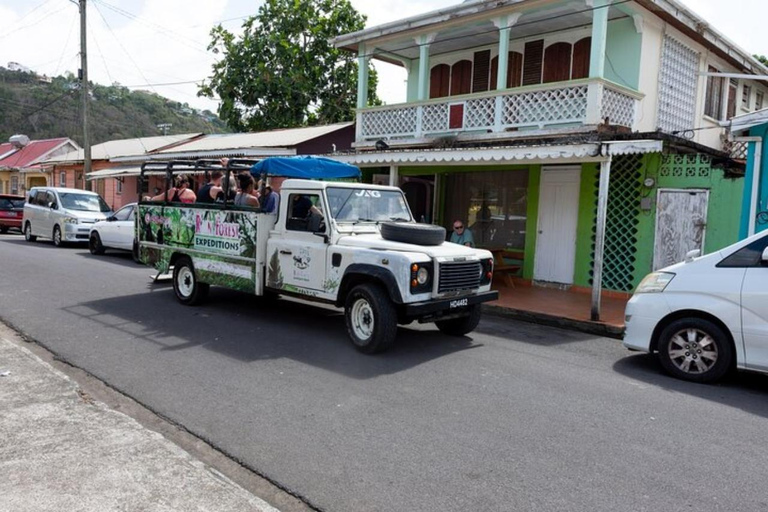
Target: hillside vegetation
(47, 108)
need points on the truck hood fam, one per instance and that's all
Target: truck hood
(376, 242)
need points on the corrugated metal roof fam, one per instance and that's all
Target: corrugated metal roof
(124, 147)
(747, 121)
(274, 138)
(30, 154)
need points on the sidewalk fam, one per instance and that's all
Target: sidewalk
(60, 450)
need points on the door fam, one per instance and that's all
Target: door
(119, 232)
(301, 250)
(558, 218)
(45, 215)
(681, 222)
(754, 307)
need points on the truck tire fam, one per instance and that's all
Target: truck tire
(462, 325)
(371, 318)
(188, 289)
(412, 233)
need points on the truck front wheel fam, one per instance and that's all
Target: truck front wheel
(371, 319)
(462, 325)
(188, 289)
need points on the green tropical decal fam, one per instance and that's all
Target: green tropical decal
(274, 272)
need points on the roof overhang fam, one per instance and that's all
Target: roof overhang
(544, 154)
(192, 155)
(744, 122)
(114, 172)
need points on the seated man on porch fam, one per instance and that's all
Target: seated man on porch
(461, 235)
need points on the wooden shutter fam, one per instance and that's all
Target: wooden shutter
(515, 70)
(581, 54)
(557, 63)
(494, 73)
(534, 53)
(440, 81)
(461, 78)
(481, 71)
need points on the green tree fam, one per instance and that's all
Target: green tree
(763, 59)
(283, 72)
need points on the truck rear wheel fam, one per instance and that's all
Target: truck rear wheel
(462, 325)
(188, 289)
(371, 319)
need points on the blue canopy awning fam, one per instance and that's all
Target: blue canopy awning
(306, 167)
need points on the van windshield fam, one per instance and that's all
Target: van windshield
(83, 202)
(367, 205)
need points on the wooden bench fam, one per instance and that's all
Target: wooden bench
(504, 269)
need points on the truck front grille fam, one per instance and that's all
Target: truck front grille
(459, 276)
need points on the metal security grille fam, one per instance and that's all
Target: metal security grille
(677, 86)
(459, 276)
(621, 223)
(686, 166)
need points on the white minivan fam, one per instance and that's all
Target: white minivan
(62, 214)
(707, 315)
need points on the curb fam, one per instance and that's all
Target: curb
(597, 328)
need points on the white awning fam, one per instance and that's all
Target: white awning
(555, 153)
(114, 172)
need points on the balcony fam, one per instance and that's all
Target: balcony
(576, 103)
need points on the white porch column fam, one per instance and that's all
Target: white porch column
(503, 23)
(424, 42)
(362, 76)
(393, 176)
(602, 213)
(599, 37)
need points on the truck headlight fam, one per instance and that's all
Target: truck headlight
(70, 220)
(655, 283)
(422, 275)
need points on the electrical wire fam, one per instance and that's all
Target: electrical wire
(66, 44)
(30, 25)
(101, 54)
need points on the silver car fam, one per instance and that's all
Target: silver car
(62, 214)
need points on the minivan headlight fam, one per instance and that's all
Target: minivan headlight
(70, 220)
(655, 283)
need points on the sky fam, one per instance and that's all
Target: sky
(163, 42)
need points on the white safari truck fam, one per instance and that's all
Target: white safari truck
(352, 245)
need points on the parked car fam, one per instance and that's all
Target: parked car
(115, 232)
(11, 212)
(707, 315)
(62, 214)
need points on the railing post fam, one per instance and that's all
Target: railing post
(359, 126)
(594, 103)
(419, 121)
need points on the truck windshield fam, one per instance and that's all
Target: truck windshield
(83, 202)
(367, 205)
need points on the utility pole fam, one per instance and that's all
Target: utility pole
(84, 91)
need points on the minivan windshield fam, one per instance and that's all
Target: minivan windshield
(83, 202)
(367, 205)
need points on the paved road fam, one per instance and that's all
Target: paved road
(513, 417)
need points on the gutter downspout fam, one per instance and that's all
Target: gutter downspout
(757, 167)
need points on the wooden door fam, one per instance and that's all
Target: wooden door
(461, 78)
(557, 63)
(555, 257)
(440, 81)
(681, 222)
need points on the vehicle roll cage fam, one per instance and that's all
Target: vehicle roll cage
(201, 166)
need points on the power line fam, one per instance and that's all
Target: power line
(101, 54)
(29, 25)
(66, 44)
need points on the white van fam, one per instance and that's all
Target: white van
(62, 214)
(707, 315)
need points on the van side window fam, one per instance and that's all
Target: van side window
(305, 213)
(748, 256)
(31, 199)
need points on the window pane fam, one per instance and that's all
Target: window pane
(493, 205)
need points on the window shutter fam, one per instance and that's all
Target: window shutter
(557, 63)
(534, 52)
(461, 78)
(494, 73)
(440, 81)
(515, 70)
(480, 74)
(581, 54)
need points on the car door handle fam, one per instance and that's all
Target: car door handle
(282, 251)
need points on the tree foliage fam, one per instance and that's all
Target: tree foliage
(282, 72)
(44, 110)
(763, 59)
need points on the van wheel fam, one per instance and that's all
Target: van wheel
(94, 244)
(188, 289)
(695, 349)
(57, 241)
(371, 319)
(462, 325)
(28, 236)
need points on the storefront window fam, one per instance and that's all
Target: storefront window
(493, 205)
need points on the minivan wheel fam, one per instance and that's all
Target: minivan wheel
(57, 241)
(28, 236)
(695, 349)
(94, 244)
(188, 289)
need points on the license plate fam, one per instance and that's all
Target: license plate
(459, 303)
